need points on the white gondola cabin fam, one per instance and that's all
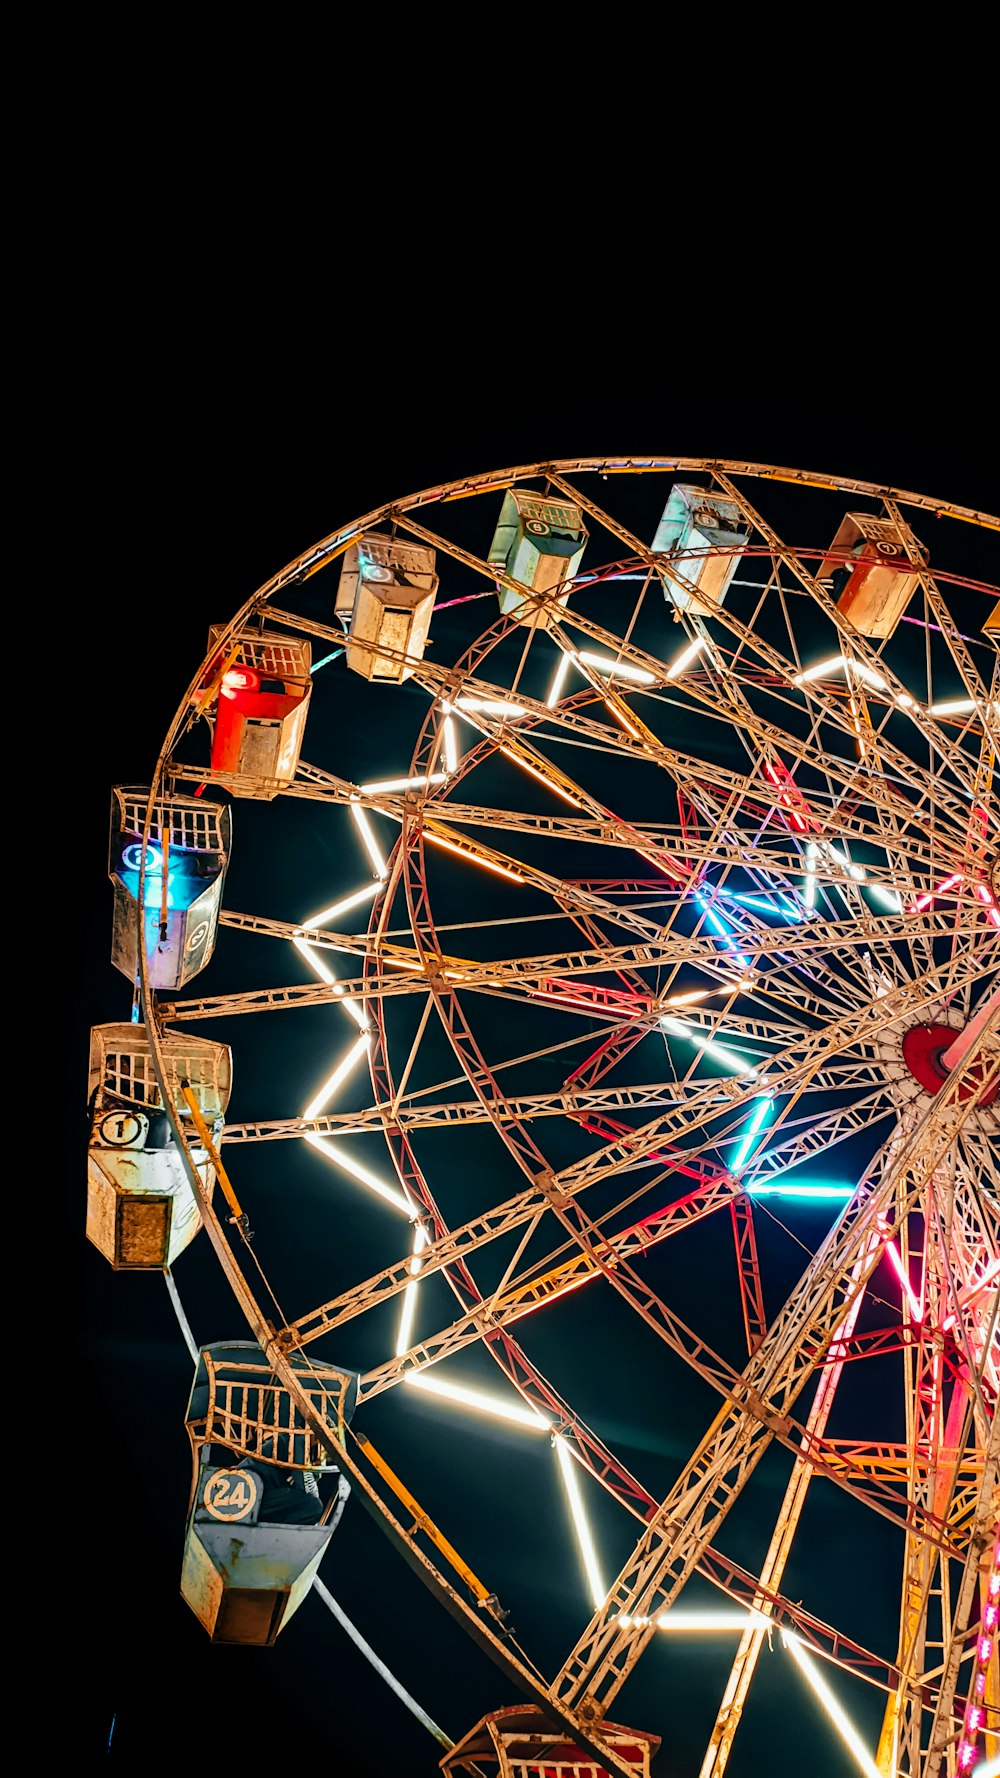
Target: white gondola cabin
(871, 571)
(185, 865)
(385, 599)
(266, 1495)
(539, 542)
(255, 695)
(701, 534)
(141, 1207)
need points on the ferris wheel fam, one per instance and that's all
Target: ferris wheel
(563, 937)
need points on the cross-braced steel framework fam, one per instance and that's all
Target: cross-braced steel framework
(649, 903)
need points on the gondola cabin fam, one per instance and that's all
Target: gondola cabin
(385, 599)
(870, 571)
(256, 700)
(141, 1207)
(992, 625)
(539, 542)
(702, 535)
(519, 1742)
(182, 868)
(266, 1495)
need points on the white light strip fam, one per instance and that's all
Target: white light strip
(472, 1398)
(682, 1621)
(620, 669)
(581, 1527)
(371, 844)
(856, 872)
(404, 1338)
(686, 656)
(313, 957)
(867, 675)
(315, 961)
(490, 706)
(555, 690)
(340, 1073)
(352, 1007)
(357, 1171)
(953, 707)
(709, 1045)
(404, 783)
(342, 907)
(809, 895)
(317, 964)
(837, 1716)
(821, 667)
(853, 870)
(450, 745)
(887, 897)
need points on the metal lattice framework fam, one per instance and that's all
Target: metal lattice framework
(648, 905)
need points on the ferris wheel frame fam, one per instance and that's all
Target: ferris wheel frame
(960, 1091)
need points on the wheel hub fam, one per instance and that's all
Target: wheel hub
(923, 1053)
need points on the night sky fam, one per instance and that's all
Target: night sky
(223, 466)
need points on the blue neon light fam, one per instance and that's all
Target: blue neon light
(186, 878)
(762, 1110)
(722, 927)
(815, 1190)
(153, 886)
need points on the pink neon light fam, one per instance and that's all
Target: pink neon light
(892, 1253)
(974, 1711)
(923, 901)
(991, 906)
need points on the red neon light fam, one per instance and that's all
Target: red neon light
(613, 1131)
(628, 1241)
(604, 999)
